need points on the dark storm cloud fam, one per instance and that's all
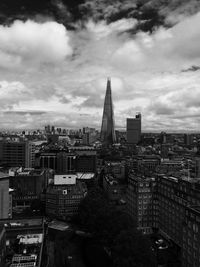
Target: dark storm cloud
(193, 68)
(150, 13)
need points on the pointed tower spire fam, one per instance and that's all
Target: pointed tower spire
(108, 127)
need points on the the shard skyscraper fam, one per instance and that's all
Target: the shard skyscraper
(108, 127)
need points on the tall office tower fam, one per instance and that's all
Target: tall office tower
(107, 128)
(133, 129)
(17, 153)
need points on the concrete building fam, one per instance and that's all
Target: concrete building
(142, 202)
(15, 153)
(86, 158)
(133, 129)
(5, 197)
(167, 166)
(191, 237)
(77, 159)
(188, 139)
(28, 185)
(193, 167)
(89, 138)
(170, 205)
(59, 161)
(64, 196)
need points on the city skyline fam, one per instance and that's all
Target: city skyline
(154, 72)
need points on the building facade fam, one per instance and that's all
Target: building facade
(27, 185)
(86, 158)
(133, 129)
(64, 196)
(171, 206)
(191, 237)
(78, 159)
(5, 197)
(17, 153)
(142, 202)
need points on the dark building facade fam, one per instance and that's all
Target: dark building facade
(191, 237)
(86, 158)
(17, 153)
(108, 128)
(142, 202)
(5, 197)
(64, 196)
(133, 129)
(172, 206)
(28, 185)
(78, 159)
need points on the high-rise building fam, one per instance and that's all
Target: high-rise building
(188, 139)
(107, 128)
(17, 153)
(133, 129)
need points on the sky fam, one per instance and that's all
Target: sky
(55, 60)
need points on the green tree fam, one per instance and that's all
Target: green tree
(102, 219)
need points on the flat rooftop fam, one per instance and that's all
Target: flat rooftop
(85, 175)
(30, 239)
(58, 225)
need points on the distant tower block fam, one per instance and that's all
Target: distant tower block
(108, 128)
(133, 129)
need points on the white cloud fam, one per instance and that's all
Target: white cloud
(101, 29)
(145, 71)
(31, 42)
(12, 93)
(166, 49)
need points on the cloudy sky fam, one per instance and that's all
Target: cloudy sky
(55, 58)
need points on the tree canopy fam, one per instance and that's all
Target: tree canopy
(115, 230)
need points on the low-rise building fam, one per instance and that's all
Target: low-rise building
(27, 185)
(86, 158)
(64, 196)
(115, 168)
(111, 188)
